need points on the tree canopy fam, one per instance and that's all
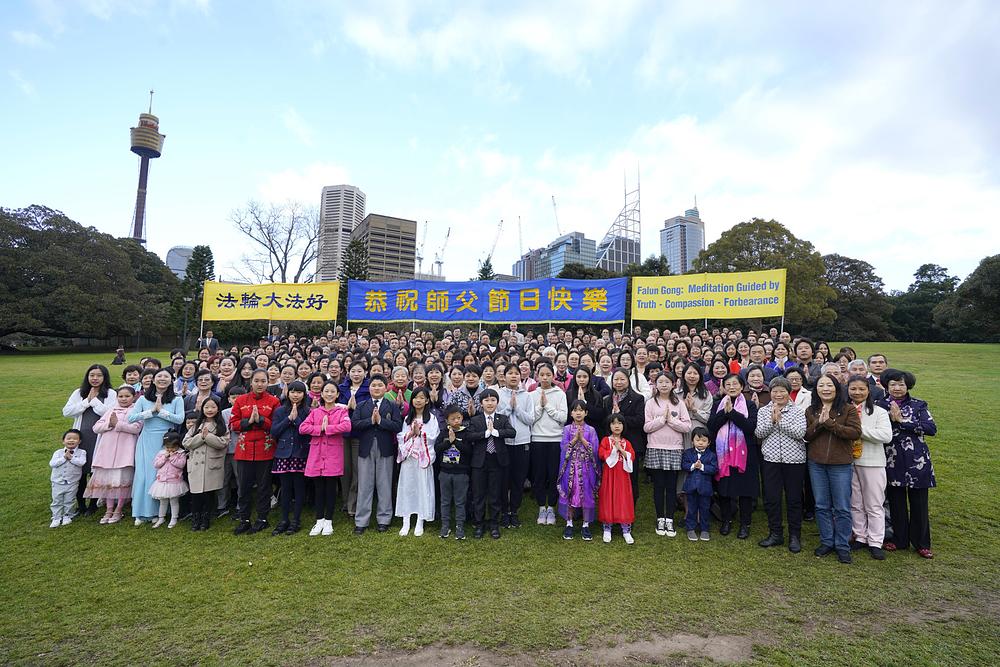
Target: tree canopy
(913, 317)
(353, 266)
(972, 312)
(486, 271)
(861, 304)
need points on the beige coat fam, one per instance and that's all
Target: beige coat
(206, 459)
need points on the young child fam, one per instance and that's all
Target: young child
(206, 442)
(701, 464)
(486, 432)
(415, 489)
(230, 478)
(169, 486)
(67, 469)
(614, 500)
(114, 457)
(453, 451)
(375, 422)
(578, 471)
(326, 425)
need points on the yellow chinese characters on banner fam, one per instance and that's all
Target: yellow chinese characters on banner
(271, 301)
(712, 295)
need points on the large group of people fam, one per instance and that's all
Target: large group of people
(456, 428)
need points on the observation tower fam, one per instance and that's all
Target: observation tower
(147, 143)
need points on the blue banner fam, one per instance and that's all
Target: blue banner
(530, 301)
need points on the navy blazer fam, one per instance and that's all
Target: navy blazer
(699, 481)
(288, 441)
(383, 433)
(475, 435)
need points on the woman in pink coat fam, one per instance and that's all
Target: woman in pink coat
(114, 457)
(327, 425)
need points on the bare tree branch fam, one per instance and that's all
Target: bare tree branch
(283, 236)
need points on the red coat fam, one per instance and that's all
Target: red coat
(614, 498)
(255, 442)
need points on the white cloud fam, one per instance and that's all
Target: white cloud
(303, 185)
(26, 87)
(297, 125)
(28, 38)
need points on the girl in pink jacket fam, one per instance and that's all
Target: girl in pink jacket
(114, 456)
(327, 425)
(170, 463)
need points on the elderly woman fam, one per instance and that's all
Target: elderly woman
(732, 427)
(781, 426)
(859, 367)
(832, 428)
(908, 463)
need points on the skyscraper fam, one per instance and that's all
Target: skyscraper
(391, 244)
(682, 239)
(547, 262)
(341, 209)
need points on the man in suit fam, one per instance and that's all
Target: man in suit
(209, 341)
(486, 432)
(375, 423)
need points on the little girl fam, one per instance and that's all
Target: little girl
(415, 490)
(578, 471)
(614, 502)
(327, 425)
(114, 457)
(206, 441)
(169, 485)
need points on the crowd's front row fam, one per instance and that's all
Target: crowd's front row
(413, 458)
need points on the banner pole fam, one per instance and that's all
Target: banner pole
(782, 324)
(201, 336)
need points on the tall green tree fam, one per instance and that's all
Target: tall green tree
(574, 271)
(201, 267)
(767, 244)
(353, 266)
(651, 266)
(486, 271)
(972, 312)
(862, 306)
(913, 317)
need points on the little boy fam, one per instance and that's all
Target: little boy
(453, 451)
(230, 478)
(486, 433)
(701, 464)
(67, 468)
(375, 422)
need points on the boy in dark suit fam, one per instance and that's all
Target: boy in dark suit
(375, 423)
(486, 433)
(701, 464)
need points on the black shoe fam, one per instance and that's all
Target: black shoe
(243, 528)
(221, 513)
(857, 546)
(823, 550)
(460, 533)
(794, 544)
(382, 527)
(90, 511)
(359, 530)
(293, 527)
(877, 553)
(478, 532)
(280, 528)
(196, 523)
(726, 528)
(744, 532)
(495, 533)
(513, 521)
(259, 525)
(205, 520)
(809, 516)
(844, 556)
(772, 540)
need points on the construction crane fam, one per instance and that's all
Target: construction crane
(496, 239)
(439, 255)
(555, 212)
(420, 250)
(520, 238)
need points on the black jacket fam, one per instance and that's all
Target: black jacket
(633, 410)
(462, 444)
(475, 434)
(383, 433)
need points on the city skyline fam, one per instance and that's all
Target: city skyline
(848, 124)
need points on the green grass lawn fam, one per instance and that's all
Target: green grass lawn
(88, 593)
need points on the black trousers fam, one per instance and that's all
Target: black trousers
(513, 480)
(910, 525)
(544, 458)
(808, 500)
(787, 479)
(254, 478)
(326, 496)
(293, 494)
(664, 492)
(202, 502)
(730, 505)
(486, 484)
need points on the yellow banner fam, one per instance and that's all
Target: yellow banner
(272, 301)
(712, 295)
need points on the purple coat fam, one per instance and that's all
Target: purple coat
(907, 457)
(579, 473)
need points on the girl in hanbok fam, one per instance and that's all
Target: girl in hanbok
(415, 490)
(578, 472)
(614, 502)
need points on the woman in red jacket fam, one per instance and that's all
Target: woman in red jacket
(251, 418)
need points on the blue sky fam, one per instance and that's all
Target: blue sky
(869, 129)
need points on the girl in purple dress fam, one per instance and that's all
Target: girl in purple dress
(578, 472)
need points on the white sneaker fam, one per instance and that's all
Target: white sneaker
(661, 527)
(543, 515)
(159, 522)
(139, 522)
(607, 536)
(274, 501)
(66, 520)
(550, 516)
(318, 528)
(55, 523)
(419, 529)
(173, 522)
(670, 528)
(628, 538)
(327, 527)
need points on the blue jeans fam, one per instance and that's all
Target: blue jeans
(831, 486)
